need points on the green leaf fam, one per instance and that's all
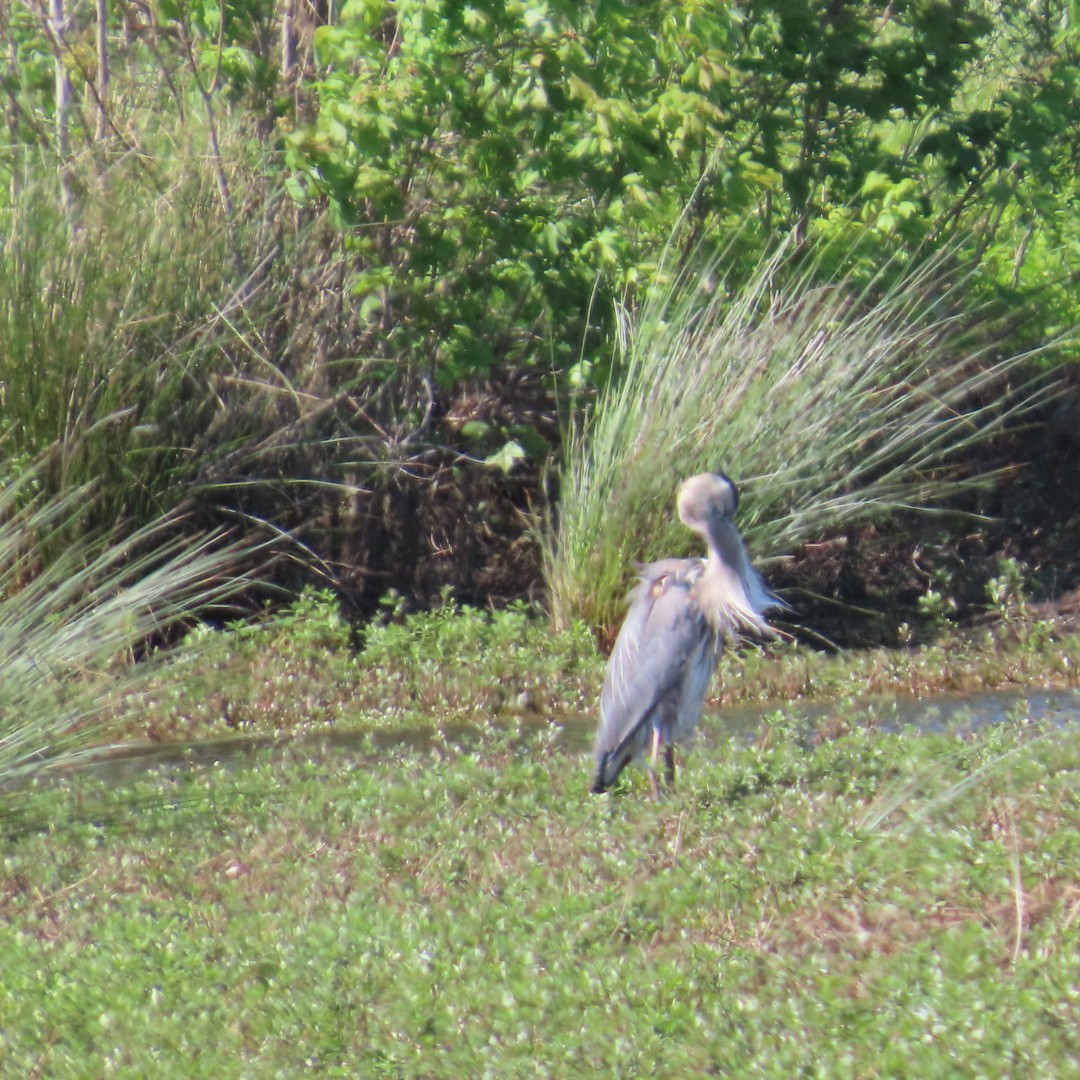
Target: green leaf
(507, 456)
(475, 430)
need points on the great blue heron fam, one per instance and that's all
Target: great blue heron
(680, 614)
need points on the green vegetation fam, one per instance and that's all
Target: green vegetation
(345, 275)
(857, 906)
(836, 404)
(452, 900)
(149, 355)
(453, 667)
(305, 292)
(69, 629)
(459, 670)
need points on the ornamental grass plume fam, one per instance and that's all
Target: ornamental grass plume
(77, 632)
(830, 401)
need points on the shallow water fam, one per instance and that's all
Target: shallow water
(945, 712)
(1055, 708)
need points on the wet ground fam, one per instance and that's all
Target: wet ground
(1052, 708)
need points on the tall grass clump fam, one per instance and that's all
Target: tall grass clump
(169, 348)
(98, 350)
(71, 629)
(831, 402)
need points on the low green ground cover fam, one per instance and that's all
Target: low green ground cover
(850, 901)
(300, 673)
(871, 904)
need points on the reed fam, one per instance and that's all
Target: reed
(83, 636)
(831, 399)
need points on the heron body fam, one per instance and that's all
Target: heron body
(680, 614)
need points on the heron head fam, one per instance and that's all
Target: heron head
(730, 590)
(706, 497)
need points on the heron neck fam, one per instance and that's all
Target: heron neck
(732, 596)
(724, 548)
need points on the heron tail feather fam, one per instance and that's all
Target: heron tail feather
(609, 764)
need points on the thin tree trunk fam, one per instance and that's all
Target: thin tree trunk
(211, 113)
(103, 69)
(58, 29)
(288, 42)
(12, 61)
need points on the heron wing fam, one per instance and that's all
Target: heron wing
(663, 632)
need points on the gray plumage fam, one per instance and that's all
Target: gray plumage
(680, 614)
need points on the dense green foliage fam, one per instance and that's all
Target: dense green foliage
(496, 161)
(497, 175)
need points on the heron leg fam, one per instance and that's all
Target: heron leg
(669, 765)
(654, 783)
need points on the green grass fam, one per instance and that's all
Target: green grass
(83, 637)
(832, 396)
(863, 902)
(104, 348)
(467, 914)
(172, 355)
(456, 667)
